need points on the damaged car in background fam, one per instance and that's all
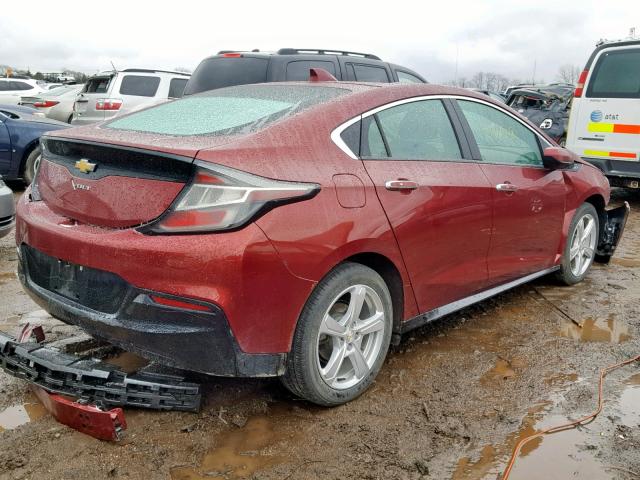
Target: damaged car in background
(547, 106)
(294, 230)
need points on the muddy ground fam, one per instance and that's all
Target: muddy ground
(451, 402)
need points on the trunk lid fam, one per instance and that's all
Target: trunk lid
(113, 186)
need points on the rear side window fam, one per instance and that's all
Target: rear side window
(176, 87)
(419, 131)
(231, 111)
(5, 86)
(369, 73)
(404, 77)
(219, 72)
(139, 85)
(299, 70)
(616, 75)
(501, 138)
(373, 145)
(20, 86)
(98, 85)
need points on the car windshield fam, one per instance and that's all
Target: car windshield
(229, 111)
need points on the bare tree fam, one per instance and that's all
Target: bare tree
(568, 74)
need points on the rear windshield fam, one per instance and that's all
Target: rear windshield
(230, 111)
(616, 75)
(97, 85)
(219, 72)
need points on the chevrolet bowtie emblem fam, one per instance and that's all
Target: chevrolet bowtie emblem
(85, 166)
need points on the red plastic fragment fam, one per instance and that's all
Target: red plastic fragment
(320, 75)
(89, 419)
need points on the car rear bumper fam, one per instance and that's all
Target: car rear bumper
(253, 299)
(7, 211)
(109, 308)
(621, 173)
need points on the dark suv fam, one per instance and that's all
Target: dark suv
(229, 68)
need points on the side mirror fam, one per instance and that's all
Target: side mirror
(558, 158)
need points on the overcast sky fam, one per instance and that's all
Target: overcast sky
(499, 36)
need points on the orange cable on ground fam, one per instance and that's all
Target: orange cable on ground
(566, 426)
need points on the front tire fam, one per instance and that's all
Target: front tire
(580, 248)
(342, 337)
(31, 165)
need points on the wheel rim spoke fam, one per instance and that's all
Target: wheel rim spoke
(360, 366)
(331, 327)
(358, 294)
(370, 325)
(573, 252)
(588, 252)
(586, 234)
(330, 371)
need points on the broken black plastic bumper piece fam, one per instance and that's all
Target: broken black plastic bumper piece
(96, 382)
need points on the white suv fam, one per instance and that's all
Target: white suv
(113, 93)
(11, 89)
(604, 126)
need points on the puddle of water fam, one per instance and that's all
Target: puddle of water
(6, 276)
(503, 370)
(634, 380)
(629, 400)
(626, 262)
(555, 456)
(16, 415)
(128, 362)
(238, 455)
(597, 330)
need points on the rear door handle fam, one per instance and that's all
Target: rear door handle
(506, 187)
(400, 185)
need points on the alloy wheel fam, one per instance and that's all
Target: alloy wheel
(583, 244)
(350, 336)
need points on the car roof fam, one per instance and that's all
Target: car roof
(604, 44)
(298, 51)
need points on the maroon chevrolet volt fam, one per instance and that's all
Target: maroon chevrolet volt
(297, 229)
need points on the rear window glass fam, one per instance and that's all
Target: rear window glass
(616, 75)
(221, 72)
(299, 70)
(176, 87)
(98, 85)
(404, 77)
(365, 73)
(230, 111)
(139, 85)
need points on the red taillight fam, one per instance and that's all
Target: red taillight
(45, 103)
(232, 55)
(172, 302)
(221, 198)
(581, 81)
(108, 104)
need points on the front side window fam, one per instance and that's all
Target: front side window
(501, 138)
(419, 131)
(616, 75)
(139, 85)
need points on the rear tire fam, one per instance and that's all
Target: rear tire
(342, 337)
(580, 247)
(31, 165)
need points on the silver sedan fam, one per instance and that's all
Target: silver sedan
(56, 103)
(7, 210)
